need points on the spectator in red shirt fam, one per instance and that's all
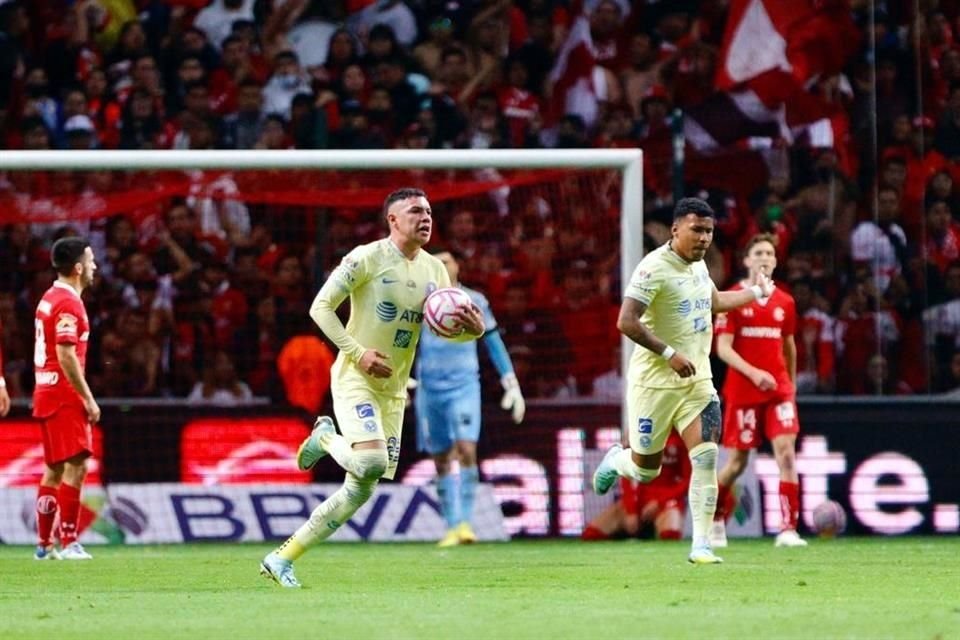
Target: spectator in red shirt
(815, 349)
(942, 242)
(862, 326)
(229, 306)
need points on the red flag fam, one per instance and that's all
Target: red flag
(772, 51)
(572, 76)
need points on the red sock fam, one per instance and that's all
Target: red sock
(69, 513)
(592, 533)
(46, 514)
(725, 503)
(789, 504)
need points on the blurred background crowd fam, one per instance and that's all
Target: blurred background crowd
(850, 158)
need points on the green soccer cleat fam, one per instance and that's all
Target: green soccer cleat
(606, 475)
(703, 555)
(279, 570)
(311, 450)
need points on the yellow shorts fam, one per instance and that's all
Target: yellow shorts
(653, 412)
(365, 415)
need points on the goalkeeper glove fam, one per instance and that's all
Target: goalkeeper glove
(512, 400)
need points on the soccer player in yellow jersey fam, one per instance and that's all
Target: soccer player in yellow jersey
(387, 282)
(667, 310)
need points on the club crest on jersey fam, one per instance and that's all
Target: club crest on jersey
(431, 287)
(779, 314)
(66, 323)
(364, 410)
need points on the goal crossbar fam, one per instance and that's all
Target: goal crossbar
(629, 162)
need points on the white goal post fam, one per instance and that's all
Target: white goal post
(629, 162)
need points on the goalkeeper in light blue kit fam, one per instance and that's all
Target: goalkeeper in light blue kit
(448, 409)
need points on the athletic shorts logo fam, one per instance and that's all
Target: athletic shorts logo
(46, 504)
(370, 426)
(403, 338)
(386, 311)
(645, 425)
(365, 410)
(645, 442)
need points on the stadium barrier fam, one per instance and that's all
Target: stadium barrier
(883, 460)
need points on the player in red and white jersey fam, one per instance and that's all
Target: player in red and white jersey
(661, 502)
(62, 400)
(757, 343)
(815, 341)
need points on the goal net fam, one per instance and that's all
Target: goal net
(208, 262)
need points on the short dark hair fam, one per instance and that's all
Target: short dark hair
(696, 206)
(67, 252)
(402, 194)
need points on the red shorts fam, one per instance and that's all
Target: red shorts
(66, 433)
(742, 423)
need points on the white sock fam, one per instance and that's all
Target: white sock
(340, 450)
(702, 494)
(335, 511)
(625, 466)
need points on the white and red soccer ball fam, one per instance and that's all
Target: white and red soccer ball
(440, 308)
(829, 519)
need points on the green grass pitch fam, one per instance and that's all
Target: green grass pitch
(845, 588)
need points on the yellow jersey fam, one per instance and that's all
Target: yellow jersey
(678, 295)
(386, 291)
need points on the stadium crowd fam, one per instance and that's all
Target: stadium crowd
(206, 298)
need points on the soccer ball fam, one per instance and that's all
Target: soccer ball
(439, 309)
(829, 519)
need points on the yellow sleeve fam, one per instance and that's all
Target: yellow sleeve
(352, 272)
(645, 282)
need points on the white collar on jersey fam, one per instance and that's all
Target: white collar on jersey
(64, 285)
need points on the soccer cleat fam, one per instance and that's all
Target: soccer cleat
(75, 551)
(48, 552)
(311, 450)
(789, 538)
(606, 475)
(718, 535)
(279, 570)
(466, 534)
(703, 555)
(450, 539)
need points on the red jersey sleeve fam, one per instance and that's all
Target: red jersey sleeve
(66, 322)
(725, 323)
(790, 319)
